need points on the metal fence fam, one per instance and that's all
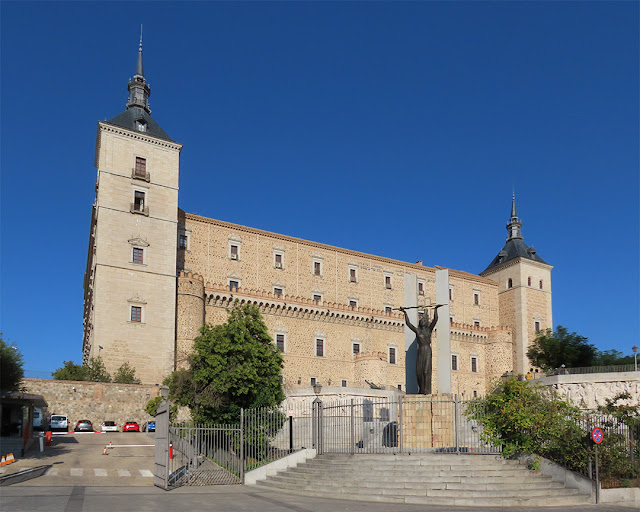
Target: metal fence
(593, 369)
(410, 425)
(221, 454)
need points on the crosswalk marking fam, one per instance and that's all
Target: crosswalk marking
(52, 472)
(100, 472)
(76, 472)
(146, 473)
(124, 472)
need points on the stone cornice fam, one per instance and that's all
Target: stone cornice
(106, 127)
(513, 262)
(318, 245)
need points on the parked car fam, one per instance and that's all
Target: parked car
(84, 426)
(37, 418)
(109, 426)
(130, 426)
(59, 422)
(149, 426)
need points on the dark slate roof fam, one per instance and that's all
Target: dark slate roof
(128, 118)
(515, 248)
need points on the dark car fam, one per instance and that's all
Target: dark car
(83, 426)
(130, 426)
(149, 426)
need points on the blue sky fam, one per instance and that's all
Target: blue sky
(392, 128)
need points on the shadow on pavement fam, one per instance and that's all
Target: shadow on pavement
(25, 475)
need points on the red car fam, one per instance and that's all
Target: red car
(130, 426)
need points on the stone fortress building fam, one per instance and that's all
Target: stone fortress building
(155, 274)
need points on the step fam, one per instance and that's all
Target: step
(577, 499)
(413, 459)
(400, 486)
(400, 471)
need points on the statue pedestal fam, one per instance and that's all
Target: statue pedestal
(428, 421)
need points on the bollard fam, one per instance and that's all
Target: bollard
(170, 451)
(48, 437)
(41, 442)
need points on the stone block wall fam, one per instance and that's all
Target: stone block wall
(95, 401)
(428, 423)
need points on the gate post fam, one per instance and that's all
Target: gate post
(242, 461)
(161, 460)
(456, 420)
(401, 435)
(353, 430)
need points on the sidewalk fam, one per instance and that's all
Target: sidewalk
(236, 498)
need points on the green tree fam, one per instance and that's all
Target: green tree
(551, 350)
(70, 371)
(11, 371)
(525, 418)
(96, 370)
(234, 365)
(126, 374)
(611, 358)
(154, 403)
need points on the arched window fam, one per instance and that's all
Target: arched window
(511, 283)
(529, 280)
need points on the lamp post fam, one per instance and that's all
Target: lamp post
(635, 356)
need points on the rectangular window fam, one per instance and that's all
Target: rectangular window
(277, 292)
(182, 241)
(234, 252)
(353, 304)
(454, 362)
(388, 309)
(319, 347)
(278, 260)
(476, 299)
(317, 268)
(400, 387)
(313, 381)
(138, 255)
(474, 364)
(136, 314)
(317, 298)
(392, 355)
(420, 288)
(537, 327)
(475, 394)
(356, 348)
(233, 286)
(138, 201)
(450, 294)
(280, 342)
(476, 323)
(387, 282)
(141, 167)
(352, 275)
(344, 383)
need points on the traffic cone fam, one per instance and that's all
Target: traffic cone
(104, 452)
(110, 445)
(10, 458)
(3, 462)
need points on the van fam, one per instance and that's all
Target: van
(59, 422)
(37, 418)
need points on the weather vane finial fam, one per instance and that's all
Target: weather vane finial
(141, 36)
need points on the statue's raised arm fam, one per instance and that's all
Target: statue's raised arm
(435, 317)
(408, 322)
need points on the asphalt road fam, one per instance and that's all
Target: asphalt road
(78, 460)
(237, 498)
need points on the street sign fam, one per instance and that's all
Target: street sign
(597, 435)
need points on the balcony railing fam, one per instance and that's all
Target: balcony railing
(140, 175)
(135, 208)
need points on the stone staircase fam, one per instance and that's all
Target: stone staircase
(436, 479)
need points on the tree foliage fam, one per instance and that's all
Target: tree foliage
(234, 365)
(551, 350)
(152, 408)
(526, 418)
(126, 374)
(11, 363)
(611, 358)
(94, 371)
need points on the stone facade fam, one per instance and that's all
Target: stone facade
(155, 274)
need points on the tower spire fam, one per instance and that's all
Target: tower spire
(514, 222)
(139, 90)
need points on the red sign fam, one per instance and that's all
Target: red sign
(597, 435)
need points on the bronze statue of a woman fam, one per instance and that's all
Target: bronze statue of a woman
(423, 337)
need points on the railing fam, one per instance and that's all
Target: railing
(592, 369)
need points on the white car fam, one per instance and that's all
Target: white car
(109, 426)
(59, 422)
